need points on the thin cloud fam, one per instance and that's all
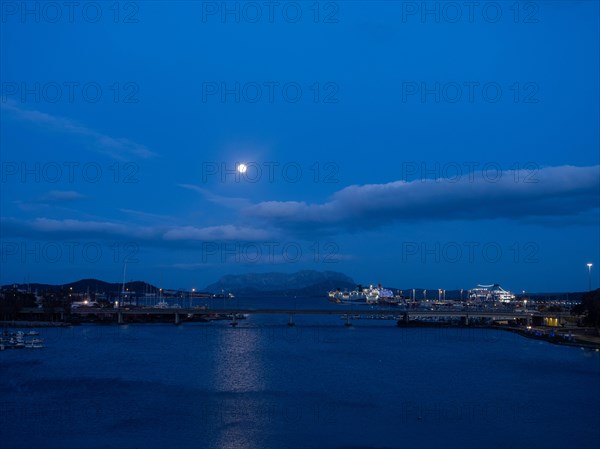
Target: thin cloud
(147, 215)
(79, 227)
(50, 200)
(116, 147)
(52, 228)
(217, 233)
(564, 191)
(190, 266)
(253, 257)
(62, 195)
(226, 201)
(41, 227)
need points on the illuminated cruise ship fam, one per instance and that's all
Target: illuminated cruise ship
(491, 292)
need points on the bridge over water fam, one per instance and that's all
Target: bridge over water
(398, 314)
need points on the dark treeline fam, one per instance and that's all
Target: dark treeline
(590, 308)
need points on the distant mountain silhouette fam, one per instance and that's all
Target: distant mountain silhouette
(304, 283)
(92, 284)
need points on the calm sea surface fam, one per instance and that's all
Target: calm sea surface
(317, 385)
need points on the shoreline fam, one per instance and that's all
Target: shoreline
(556, 338)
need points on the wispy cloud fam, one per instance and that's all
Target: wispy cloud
(557, 192)
(226, 201)
(243, 257)
(218, 233)
(54, 199)
(80, 227)
(116, 147)
(147, 216)
(40, 228)
(62, 195)
(48, 227)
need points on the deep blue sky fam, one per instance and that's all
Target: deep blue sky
(348, 171)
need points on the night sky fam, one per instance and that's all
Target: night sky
(413, 144)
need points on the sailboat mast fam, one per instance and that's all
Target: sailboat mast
(123, 287)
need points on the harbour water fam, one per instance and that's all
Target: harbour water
(319, 384)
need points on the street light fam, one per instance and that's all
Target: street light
(589, 265)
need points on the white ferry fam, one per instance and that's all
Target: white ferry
(492, 292)
(369, 295)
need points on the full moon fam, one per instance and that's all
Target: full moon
(242, 168)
